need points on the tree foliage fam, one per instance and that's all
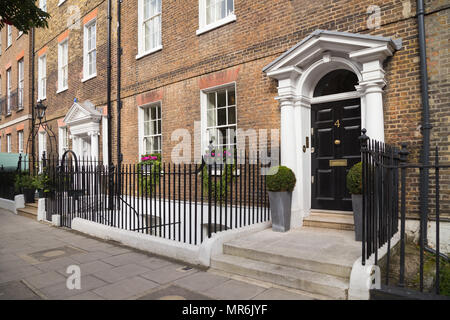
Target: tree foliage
(23, 14)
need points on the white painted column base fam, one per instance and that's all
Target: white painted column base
(56, 220)
(41, 210)
(19, 202)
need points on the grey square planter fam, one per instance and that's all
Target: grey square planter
(280, 209)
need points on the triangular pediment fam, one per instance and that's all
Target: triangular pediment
(82, 112)
(348, 45)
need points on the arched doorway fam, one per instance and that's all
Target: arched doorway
(335, 127)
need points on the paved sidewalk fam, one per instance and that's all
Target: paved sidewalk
(34, 258)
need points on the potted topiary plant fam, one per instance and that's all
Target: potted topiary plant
(280, 182)
(354, 186)
(26, 184)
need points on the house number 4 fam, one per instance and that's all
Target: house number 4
(337, 123)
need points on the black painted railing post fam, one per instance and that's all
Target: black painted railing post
(403, 155)
(363, 140)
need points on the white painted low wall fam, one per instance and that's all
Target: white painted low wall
(195, 255)
(412, 231)
(9, 205)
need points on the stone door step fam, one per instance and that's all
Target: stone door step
(330, 220)
(28, 211)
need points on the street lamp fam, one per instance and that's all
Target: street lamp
(40, 110)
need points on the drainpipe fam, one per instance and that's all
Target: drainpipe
(32, 97)
(119, 102)
(108, 103)
(426, 126)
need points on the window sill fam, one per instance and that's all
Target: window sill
(217, 24)
(141, 55)
(20, 109)
(41, 98)
(61, 2)
(89, 77)
(62, 90)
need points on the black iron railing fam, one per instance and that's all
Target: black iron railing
(181, 202)
(386, 206)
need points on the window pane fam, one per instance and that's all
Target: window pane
(232, 115)
(211, 100)
(231, 97)
(221, 99)
(211, 118)
(230, 6)
(222, 116)
(146, 9)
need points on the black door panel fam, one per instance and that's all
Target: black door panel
(336, 128)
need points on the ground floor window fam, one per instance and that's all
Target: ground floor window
(63, 140)
(8, 143)
(221, 123)
(152, 137)
(20, 141)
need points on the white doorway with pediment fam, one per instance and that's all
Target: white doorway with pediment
(83, 121)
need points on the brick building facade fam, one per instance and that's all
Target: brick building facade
(177, 55)
(15, 90)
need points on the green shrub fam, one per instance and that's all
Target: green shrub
(280, 178)
(354, 179)
(24, 181)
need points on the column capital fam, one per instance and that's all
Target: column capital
(371, 86)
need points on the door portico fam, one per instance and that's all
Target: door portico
(299, 70)
(83, 121)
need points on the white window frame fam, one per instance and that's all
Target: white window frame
(20, 84)
(8, 36)
(204, 117)
(63, 65)
(87, 52)
(60, 2)
(141, 30)
(141, 128)
(203, 26)
(43, 5)
(8, 143)
(8, 91)
(20, 141)
(42, 77)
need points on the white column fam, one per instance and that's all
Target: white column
(76, 145)
(287, 134)
(94, 145)
(374, 117)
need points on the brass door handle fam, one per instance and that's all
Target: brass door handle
(337, 141)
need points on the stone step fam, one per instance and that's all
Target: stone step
(32, 204)
(339, 221)
(237, 248)
(314, 282)
(29, 212)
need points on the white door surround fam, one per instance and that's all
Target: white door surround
(299, 70)
(83, 121)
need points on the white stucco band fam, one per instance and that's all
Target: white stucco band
(299, 70)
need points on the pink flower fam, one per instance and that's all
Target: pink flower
(212, 153)
(153, 158)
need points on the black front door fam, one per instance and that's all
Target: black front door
(336, 127)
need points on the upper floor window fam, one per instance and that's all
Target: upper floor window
(8, 91)
(43, 5)
(63, 65)
(90, 50)
(214, 13)
(149, 28)
(9, 36)
(42, 77)
(20, 83)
